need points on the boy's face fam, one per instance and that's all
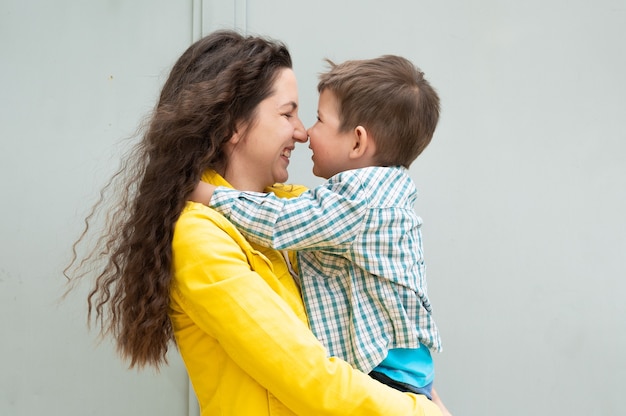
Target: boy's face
(330, 147)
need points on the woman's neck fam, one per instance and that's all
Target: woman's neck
(243, 182)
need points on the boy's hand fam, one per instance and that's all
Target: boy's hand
(438, 402)
(203, 193)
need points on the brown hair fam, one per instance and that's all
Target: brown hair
(217, 83)
(390, 97)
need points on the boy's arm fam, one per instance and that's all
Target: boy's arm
(326, 217)
(202, 193)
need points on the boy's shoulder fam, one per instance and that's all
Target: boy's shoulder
(380, 185)
(372, 174)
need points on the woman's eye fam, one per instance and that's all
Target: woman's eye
(287, 115)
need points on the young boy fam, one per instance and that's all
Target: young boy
(360, 258)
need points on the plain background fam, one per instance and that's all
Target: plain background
(522, 191)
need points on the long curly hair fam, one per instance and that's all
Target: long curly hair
(214, 86)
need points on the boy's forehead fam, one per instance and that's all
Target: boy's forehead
(327, 98)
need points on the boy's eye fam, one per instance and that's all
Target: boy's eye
(287, 115)
(318, 119)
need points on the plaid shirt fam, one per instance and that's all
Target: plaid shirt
(360, 257)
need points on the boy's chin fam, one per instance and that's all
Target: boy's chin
(317, 172)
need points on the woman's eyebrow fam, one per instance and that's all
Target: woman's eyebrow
(291, 104)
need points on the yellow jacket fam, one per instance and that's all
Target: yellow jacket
(242, 331)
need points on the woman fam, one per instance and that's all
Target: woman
(177, 270)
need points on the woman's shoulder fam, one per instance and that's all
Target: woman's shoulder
(202, 232)
(197, 221)
(194, 211)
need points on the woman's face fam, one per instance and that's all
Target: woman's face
(259, 154)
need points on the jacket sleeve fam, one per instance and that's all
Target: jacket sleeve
(257, 328)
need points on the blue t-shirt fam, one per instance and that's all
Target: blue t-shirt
(409, 366)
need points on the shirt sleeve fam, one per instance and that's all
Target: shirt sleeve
(256, 327)
(327, 217)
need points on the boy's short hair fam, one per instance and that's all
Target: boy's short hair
(391, 99)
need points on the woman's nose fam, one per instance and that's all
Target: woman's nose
(300, 133)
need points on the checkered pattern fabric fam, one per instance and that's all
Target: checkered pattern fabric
(360, 258)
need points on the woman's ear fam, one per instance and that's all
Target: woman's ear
(362, 143)
(235, 138)
(239, 133)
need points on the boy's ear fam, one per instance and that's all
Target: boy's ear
(362, 143)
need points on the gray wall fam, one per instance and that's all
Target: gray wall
(523, 189)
